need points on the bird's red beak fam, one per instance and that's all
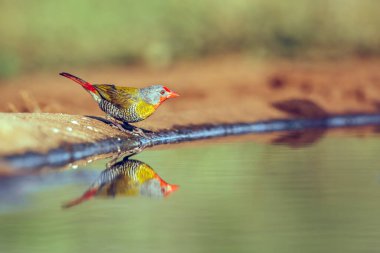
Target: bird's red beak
(172, 94)
(173, 187)
(170, 188)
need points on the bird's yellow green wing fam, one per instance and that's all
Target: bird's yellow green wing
(119, 96)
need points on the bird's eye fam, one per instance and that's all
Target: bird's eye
(162, 92)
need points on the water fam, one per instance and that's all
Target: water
(233, 197)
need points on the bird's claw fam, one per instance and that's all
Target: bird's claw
(115, 124)
(132, 129)
(112, 161)
(119, 127)
(138, 132)
(136, 150)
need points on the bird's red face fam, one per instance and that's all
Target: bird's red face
(167, 189)
(166, 93)
(157, 94)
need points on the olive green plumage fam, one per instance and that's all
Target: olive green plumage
(126, 178)
(126, 104)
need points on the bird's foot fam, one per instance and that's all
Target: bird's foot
(136, 150)
(119, 127)
(127, 128)
(114, 123)
(138, 132)
(130, 129)
(112, 161)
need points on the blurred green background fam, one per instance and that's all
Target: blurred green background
(45, 33)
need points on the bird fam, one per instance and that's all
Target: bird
(128, 178)
(125, 104)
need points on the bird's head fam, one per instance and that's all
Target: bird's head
(156, 94)
(167, 189)
(157, 188)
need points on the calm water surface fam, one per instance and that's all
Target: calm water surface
(233, 197)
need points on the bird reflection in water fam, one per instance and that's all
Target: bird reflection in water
(126, 178)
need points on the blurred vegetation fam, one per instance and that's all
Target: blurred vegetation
(46, 33)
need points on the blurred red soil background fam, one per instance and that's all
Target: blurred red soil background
(213, 90)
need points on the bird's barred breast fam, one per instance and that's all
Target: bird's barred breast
(133, 113)
(133, 169)
(126, 115)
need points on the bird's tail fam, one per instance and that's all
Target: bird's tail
(88, 86)
(86, 196)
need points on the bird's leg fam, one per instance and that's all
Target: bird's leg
(136, 150)
(113, 161)
(134, 130)
(127, 128)
(109, 118)
(139, 132)
(115, 123)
